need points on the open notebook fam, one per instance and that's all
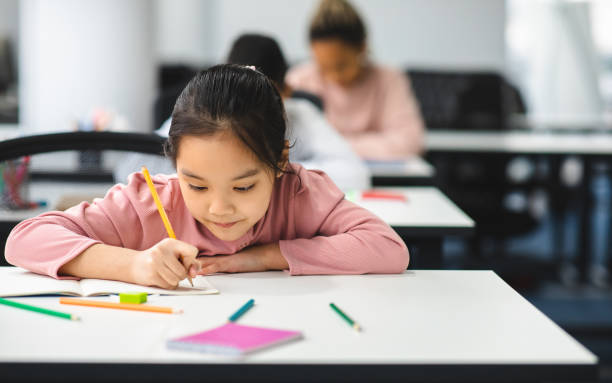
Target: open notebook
(16, 282)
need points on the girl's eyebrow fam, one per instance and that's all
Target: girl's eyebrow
(248, 173)
(191, 175)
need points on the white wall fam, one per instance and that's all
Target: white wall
(552, 57)
(183, 30)
(80, 55)
(418, 33)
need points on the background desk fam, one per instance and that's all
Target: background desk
(413, 171)
(527, 142)
(418, 326)
(592, 147)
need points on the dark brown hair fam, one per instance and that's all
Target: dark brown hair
(263, 52)
(236, 99)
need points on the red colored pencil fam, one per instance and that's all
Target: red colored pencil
(374, 194)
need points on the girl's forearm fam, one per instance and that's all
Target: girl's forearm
(102, 262)
(273, 258)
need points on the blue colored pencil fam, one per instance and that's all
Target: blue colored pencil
(242, 310)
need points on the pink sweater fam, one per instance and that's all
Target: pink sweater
(319, 232)
(378, 115)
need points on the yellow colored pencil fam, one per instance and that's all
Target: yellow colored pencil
(160, 209)
(121, 306)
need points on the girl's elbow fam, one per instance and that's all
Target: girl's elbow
(11, 253)
(393, 254)
(18, 247)
(401, 261)
(398, 259)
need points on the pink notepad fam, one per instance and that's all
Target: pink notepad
(233, 339)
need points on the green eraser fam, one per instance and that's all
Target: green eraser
(132, 297)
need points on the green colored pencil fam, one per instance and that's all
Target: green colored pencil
(354, 324)
(38, 309)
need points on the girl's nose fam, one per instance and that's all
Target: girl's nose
(220, 205)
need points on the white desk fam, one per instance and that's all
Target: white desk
(421, 325)
(534, 141)
(426, 212)
(413, 171)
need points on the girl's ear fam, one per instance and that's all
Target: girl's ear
(284, 161)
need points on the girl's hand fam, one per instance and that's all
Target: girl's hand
(251, 259)
(165, 264)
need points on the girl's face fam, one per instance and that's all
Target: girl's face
(338, 61)
(224, 185)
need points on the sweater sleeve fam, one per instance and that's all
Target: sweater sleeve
(335, 236)
(45, 243)
(400, 130)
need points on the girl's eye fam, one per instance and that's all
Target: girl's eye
(197, 188)
(244, 189)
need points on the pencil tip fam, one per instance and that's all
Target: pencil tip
(75, 317)
(177, 311)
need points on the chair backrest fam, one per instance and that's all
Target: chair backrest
(464, 100)
(172, 80)
(302, 94)
(53, 142)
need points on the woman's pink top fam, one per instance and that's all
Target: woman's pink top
(319, 231)
(378, 114)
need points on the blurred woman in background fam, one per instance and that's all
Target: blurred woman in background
(372, 106)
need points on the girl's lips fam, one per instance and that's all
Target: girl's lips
(225, 225)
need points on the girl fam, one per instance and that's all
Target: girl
(236, 204)
(372, 106)
(315, 143)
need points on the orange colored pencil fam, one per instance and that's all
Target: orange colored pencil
(121, 306)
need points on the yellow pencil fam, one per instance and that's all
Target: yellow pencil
(161, 210)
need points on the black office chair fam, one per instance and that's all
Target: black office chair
(304, 95)
(460, 100)
(172, 80)
(53, 142)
